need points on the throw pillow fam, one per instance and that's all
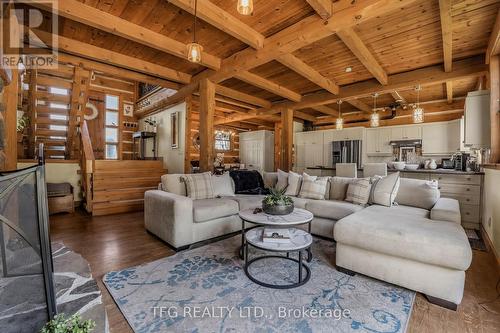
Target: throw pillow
(222, 185)
(199, 186)
(173, 183)
(313, 187)
(358, 191)
(418, 193)
(338, 187)
(248, 182)
(386, 190)
(282, 179)
(294, 182)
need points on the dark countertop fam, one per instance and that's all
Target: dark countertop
(435, 171)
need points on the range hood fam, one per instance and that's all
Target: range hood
(406, 143)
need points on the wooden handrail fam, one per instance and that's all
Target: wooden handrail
(88, 152)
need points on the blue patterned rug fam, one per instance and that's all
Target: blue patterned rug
(206, 290)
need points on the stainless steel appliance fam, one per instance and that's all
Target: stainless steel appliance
(349, 151)
(461, 160)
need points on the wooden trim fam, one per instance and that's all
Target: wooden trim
(449, 91)
(10, 98)
(495, 108)
(114, 58)
(222, 20)
(300, 67)
(447, 33)
(101, 20)
(187, 134)
(270, 86)
(357, 46)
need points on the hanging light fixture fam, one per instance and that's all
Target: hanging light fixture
(245, 7)
(375, 118)
(339, 123)
(418, 112)
(194, 49)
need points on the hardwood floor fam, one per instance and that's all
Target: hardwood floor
(119, 241)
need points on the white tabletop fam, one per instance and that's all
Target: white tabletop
(299, 239)
(298, 216)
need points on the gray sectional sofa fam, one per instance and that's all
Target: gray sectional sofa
(418, 243)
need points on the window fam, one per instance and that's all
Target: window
(58, 127)
(58, 91)
(59, 106)
(112, 121)
(58, 117)
(222, 141)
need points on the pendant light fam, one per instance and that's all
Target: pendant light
(194, 49)
(245, 7)
(375, 118)
(418, 112)
(339, 123)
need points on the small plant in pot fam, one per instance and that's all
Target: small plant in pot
(277, 203)
(73, 324)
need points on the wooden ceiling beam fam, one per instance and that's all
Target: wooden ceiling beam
(300, 34)
(324, 8)
(300, 67)
(359, 49)
(270, 86)
(101, 20)
(241, 96)
(446, 32)
(113, 58)
(116, 71)
(449, 91)
(360, 105)
(326, 110)
(222, 20)
(398, 97)
(494, 42)
(303, 115)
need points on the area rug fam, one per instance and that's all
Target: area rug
(206, 290)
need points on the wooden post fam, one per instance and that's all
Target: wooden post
(277, 146)
(207, 113)
(10, 96)
(286, 139)
(494, 108)
(187, 135)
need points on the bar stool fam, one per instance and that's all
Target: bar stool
(375, 169)
(346, 170)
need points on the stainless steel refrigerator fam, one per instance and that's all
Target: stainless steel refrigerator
(349, 151)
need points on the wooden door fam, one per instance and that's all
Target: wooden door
(96, 125)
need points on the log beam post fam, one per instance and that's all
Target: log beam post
(207, 115)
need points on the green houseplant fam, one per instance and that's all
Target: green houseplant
(73, 324)
(277, 203)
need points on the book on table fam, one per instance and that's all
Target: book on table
(276, 235)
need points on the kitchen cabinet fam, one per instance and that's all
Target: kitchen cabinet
(441, 138)
(377, 141)
(477, 119)
(411, 132)
(257, 150)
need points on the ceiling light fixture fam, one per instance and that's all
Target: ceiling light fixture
(348, 69)
(339, 123)
(194, 49)
(418, 112)
(245, 7)
(375, 118)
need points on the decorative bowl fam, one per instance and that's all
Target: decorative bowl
(412, 166)
(277, 209)
(399, 165)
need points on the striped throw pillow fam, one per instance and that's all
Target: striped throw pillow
(199, 186)
(313, 187)
(358, 192)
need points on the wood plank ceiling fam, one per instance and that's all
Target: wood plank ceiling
(404, 38)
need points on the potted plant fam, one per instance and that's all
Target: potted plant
(73, 324)
(277, 203)
(22, 123)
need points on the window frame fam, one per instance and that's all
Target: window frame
(116, 127)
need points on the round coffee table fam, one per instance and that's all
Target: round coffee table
(299, 240)
(299, 243)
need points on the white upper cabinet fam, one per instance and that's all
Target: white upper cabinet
(477, 119)
(441, 138)
(377, 141)
(412, 132)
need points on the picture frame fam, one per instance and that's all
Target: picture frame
(128, 109)
(174, 133)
